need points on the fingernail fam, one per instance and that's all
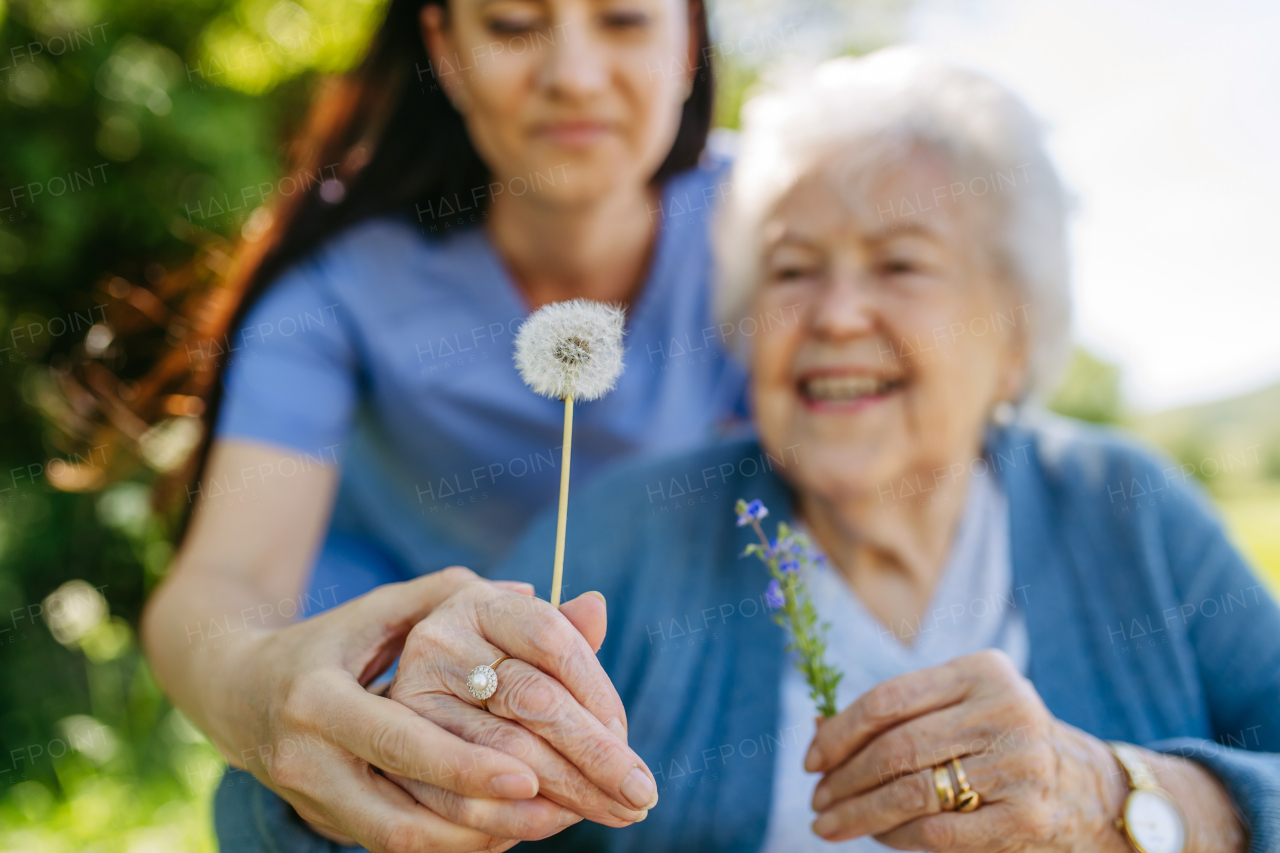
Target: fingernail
(599, 595)
(813, 759)
(622, 812)
(615, 725)
(821, 799)
(826, 824)
(513, 786)
(567, 818)
(639, 789)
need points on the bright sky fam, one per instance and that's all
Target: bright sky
(1164, 119)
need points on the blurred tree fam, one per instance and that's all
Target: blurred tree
(1090, 391)
(1272, 465)
(130, 133)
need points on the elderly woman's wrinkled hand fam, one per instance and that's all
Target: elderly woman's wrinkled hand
(1045, 786)
(554, 708)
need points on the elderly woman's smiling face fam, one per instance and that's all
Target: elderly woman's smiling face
(899, 335)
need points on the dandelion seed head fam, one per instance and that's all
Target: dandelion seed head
(572, 349)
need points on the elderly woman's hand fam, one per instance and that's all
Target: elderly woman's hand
(300, 719)
(1044, 784)
(554, 709)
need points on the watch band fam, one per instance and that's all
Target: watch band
(1142, 782)
(1135, 766)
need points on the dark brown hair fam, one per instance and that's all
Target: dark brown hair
(389, 143)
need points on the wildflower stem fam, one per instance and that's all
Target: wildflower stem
(764, 540)
(563, 518)
(796, 616)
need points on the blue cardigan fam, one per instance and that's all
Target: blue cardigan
(1146, 625)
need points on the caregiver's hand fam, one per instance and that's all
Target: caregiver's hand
(300, 719)
(286, 699)
(554, 708)
(1045, 785)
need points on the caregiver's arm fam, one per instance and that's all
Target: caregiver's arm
(287, 701)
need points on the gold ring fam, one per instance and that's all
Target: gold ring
(483, 681)
(942, 784)
(968, 799)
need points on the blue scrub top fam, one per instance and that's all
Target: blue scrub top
(389, 351)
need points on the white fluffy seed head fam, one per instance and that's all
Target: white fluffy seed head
(571, 349)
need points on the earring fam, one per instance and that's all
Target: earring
(1004, 413)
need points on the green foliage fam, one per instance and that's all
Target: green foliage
(733, 86)
(1090, 391)
(119, 145)
(1232, 446)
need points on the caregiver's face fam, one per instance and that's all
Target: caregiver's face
(888, 357)
(576, 97)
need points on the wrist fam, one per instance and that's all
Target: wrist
(229, 695)
(1111, 786)
(1214, 824)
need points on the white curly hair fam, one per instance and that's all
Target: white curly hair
(862, 114)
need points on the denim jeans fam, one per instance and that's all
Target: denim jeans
(249, 818)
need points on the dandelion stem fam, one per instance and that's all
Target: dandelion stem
(562, 520)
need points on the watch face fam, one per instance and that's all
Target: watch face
(1154, 822)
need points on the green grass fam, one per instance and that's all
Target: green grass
(107, 814)
(1254, 523)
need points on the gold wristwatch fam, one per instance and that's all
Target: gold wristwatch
(1151, 820)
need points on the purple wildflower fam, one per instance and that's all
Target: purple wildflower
(773, 595)
(785, 557)
(753, 511)
(787, 545)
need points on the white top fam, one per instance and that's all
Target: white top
(975, 607)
